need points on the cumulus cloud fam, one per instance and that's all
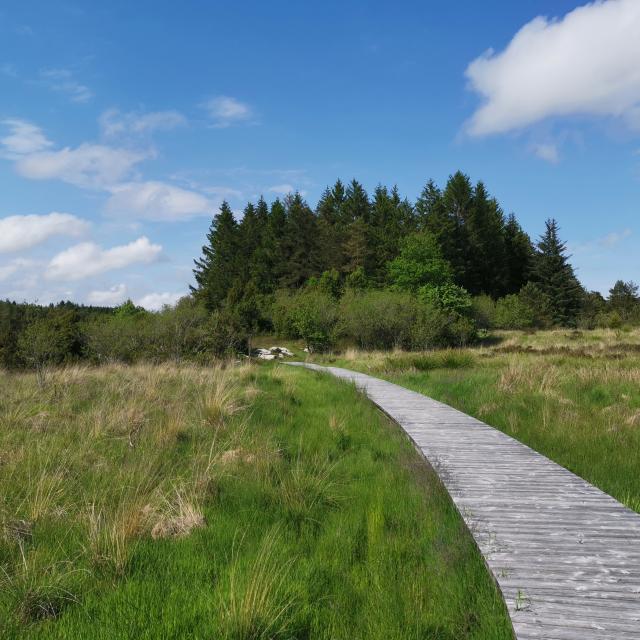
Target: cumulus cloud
(225, 111)
(115, 123)
(155, 301)
(546, 151)
(583, 64)
(23, 232)
(112, 296)
(23, 137)
(63, 81)
(8, 270)
(88, 166)
(89, 259)
(157, 201)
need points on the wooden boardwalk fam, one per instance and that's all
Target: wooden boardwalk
(565, 555)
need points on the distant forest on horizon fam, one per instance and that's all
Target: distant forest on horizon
(377, 271)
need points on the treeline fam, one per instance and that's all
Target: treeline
(35, 337)
(454, 255)
(378, 272)
(357, 236)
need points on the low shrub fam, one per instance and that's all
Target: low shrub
(310, 314)
(483, 311)
(378, 319)
(513, 313)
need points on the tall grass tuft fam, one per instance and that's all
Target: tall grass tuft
(259, 602)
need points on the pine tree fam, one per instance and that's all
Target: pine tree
(276, 241)
(486, 259)
(249, 240)
(519, 254)
(358, 247)
(356, 204)
(428, 206)
(555, 276)
(262, 260)
(386, 231)
(218, 267)
(300, 243)
(447, 224)
(331, 229)
(623, 297)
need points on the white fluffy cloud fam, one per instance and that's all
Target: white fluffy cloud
(112, 296)
(115, 123)
(155, 301)
(23, 232)
(23, 137)
(89, 259)
(157, 201)
(88, 166)
(225, 111)
(583, 64)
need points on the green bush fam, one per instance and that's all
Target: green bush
(309, 314)
(378, 319)
(532, 296)
(118, 338)
(47, 341)
(513, 313)
(383, 319)
(183, 332)
(483, 311)
(224, 336)
(448, 297)
(609, 320)
(420, 263)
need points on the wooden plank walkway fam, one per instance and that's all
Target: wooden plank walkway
(565, 555)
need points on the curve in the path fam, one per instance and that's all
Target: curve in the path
(565, 555)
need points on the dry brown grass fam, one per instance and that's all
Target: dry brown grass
(87, 455)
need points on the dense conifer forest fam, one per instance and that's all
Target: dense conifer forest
(373, 270)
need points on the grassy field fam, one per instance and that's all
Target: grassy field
(250, 502)
(574, 396)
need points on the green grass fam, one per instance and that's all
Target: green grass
(245, 503)
(573, 396)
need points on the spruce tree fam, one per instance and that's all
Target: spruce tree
(276, 232)
(486, 259)
(554, 275)
(429, 206)
(262, 262)
(249, 240)
(356, 204)
(300, 243)
(218, 267)
(519, 254)
(386, 230)
(358, 247)
(450, 229)
(331, 229)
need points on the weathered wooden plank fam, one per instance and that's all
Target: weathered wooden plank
(565, 555)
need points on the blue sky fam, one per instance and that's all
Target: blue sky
(124, 124)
